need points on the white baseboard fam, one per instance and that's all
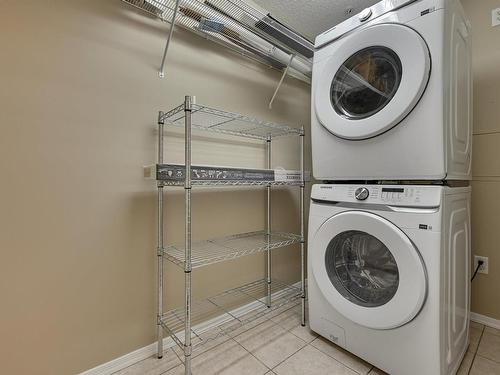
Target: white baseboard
(128, 359)
(486, 320)
(138, 355)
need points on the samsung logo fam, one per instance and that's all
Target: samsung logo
(326, 187)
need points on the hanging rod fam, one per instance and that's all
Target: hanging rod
(237, 26)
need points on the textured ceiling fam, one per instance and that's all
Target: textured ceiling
(312, 17)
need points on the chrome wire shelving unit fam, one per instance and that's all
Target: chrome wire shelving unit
(231, 309)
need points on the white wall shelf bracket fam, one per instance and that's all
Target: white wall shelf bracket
(285, 71)
(169, 39)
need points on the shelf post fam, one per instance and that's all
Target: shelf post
(268, 226)
(302, 237)
(188, 100)
(160, 249)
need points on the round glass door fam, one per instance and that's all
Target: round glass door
(362, 268)
(368, 270)
(371, 81)
(366, 82)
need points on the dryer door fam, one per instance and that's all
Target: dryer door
(372, 81)
(368, 270)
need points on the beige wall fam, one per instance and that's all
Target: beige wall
(79, 96)
(486, 154)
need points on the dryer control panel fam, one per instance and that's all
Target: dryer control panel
(368, 14)
(391, 195)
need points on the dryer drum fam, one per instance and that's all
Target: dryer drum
(366, 82)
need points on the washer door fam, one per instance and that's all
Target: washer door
(373, 80)
(368, 270)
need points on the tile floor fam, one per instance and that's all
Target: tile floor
(279, 345)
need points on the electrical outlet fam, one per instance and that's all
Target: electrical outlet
(484, 266)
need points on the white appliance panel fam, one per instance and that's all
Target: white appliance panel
(425, 137)
(438, 230)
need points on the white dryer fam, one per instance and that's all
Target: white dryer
(389, 269)
(392, 94)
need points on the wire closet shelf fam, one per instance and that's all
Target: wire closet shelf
(204, 321)
(224, 122)
(239, 26)
(204, 253)
(226, 309)
(230, 183)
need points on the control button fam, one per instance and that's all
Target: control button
(361, 193)
(365, 14)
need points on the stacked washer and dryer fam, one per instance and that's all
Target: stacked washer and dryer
(389, 229)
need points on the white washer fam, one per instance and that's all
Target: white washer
(391, 94)
(389, 269)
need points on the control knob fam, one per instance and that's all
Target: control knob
(365, 14)
(361, 193)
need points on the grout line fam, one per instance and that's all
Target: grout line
(173, 351)
(291, 355)
(178, 357)
(249, 352)
(338, 360)
(477, 349)
(491, 132)
(230, 338)
(227, 335)
(277, 325)
(180, 364)
(489, 359)
(319, 337)
(312, 346)
(290, 330)
(181, 358)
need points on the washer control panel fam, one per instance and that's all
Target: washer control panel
(391, 195)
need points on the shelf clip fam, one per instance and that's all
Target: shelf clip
(160, 251)
(161, 118)
(281, 81)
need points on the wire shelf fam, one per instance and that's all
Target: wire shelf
(218, 250)
(218, 121)
(240, 27)
(230, 183)
(226, 312)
